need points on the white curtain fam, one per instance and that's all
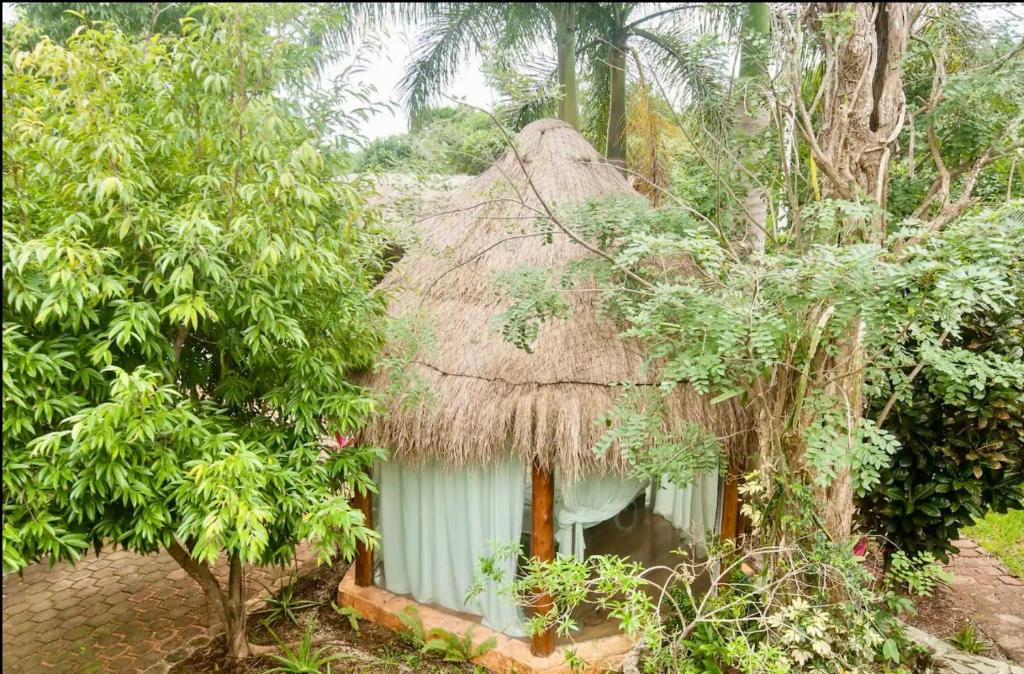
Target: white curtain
(588, 502)
(436, 526)
(692, 509)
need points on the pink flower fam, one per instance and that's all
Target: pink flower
(861, 549)
(343, 441)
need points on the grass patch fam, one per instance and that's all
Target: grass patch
(1003, 536)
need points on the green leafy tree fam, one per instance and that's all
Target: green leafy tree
(447, 140)
(187, 286)
(58, 20)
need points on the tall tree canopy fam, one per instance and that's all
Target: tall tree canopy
(188, 283)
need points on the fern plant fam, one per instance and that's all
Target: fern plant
(438, 641)
(350, 613)
(303, 658)
(454, 648)
(413, 632)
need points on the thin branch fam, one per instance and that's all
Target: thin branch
(884, 414)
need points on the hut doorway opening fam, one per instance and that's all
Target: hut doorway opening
(649, 523)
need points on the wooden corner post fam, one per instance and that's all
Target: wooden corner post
(363, 501)
(732, 525)
(542, 546)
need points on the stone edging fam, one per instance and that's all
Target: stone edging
(948, 660)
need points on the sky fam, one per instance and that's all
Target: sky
(385, 73)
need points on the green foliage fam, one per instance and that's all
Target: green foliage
(454, 648)
(968, 640)
(535, 301)
(918, 576)
(440, 642)
(389, 154)
(961, 431)
(187, 287)
(443, 140)
(302, 658)
(349, 613)
(635, 425)
(413, 633)
(58, 20)
(725, 325)
(804, 605)
(284, 606)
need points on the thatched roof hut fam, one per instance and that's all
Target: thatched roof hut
(489, 397)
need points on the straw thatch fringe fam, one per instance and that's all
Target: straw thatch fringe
(490, 398)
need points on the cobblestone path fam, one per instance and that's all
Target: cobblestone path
(116, 613)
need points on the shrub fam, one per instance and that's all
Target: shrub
(962, 451)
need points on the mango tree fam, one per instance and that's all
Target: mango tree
(187, 285)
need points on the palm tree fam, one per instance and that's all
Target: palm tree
(453, 30)
(611, 32)
(752, 116)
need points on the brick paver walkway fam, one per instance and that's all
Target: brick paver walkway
(995, 596)
(119, 612)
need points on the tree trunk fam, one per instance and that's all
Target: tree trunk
(616, 136)
(234, 613)
(864, 107)
(565, 42)
(229, 606)
(862, 113)
(752, 120)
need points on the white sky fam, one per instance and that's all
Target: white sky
(386, 70)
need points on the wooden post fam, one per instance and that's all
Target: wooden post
(731, 526)
(542, 546)
(364, 554)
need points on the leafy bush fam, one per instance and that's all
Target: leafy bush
(187, 289)
(962, 450)
(807, 604)
(388, 154)
(443, 140)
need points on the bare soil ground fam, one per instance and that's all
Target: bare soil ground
(371, 650)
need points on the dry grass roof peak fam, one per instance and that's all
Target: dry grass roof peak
(489, 398)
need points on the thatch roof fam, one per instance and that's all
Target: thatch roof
(488, 397)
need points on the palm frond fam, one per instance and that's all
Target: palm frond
(596, 94)
(529, 89)
(691, 68)
(451, 32)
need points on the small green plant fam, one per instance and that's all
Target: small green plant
(413, 634)
(284, 605)
(303, 658)
(349, 613)
(968, 640)
(454, 648)
(440, 642)
(919, 575)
